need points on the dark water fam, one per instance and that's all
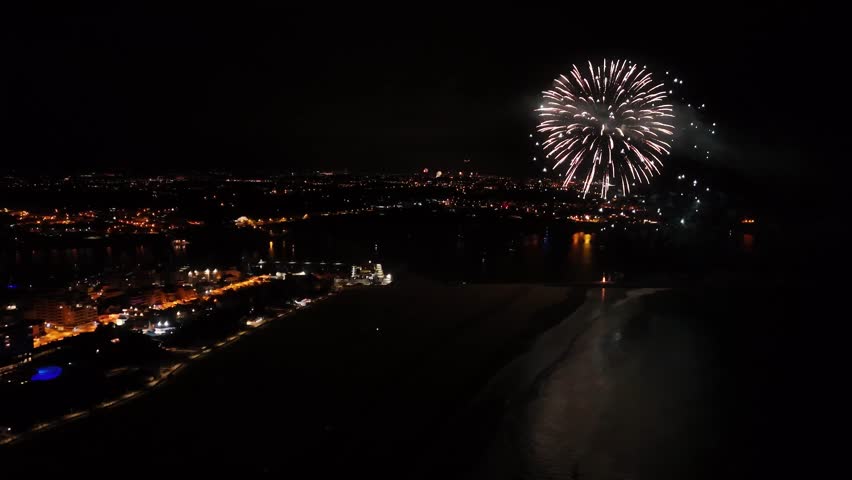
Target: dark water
(445, 247)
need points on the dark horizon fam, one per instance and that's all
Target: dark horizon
(278, 91)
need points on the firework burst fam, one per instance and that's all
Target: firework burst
(610, 124)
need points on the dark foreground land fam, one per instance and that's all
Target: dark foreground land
(430, 380)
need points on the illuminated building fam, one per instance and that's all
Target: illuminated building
(158, 296)
(16, 337)
(76, 315)
(162, 327)
(371, 274)
(48, 310)
(59, 314)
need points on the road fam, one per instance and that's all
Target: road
(52, 334)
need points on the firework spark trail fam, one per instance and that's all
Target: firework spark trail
(611, 123)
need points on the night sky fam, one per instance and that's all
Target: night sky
(276, 90)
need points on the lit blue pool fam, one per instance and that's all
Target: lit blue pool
(44, 374)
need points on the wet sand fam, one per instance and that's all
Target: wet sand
(678, 383)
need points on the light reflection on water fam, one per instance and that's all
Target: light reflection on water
(545, 255)
(457, 251)
(581, 252)
(748, 242)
